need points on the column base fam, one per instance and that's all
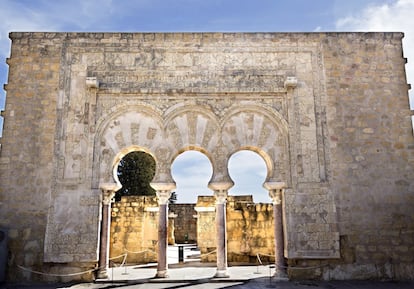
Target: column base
(102, 274)
(162, 274)
(221, 274)
(280, 275)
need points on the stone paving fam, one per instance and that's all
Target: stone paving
(247, 277)
(195, 275)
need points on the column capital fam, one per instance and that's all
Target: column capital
(163, 191)
(275, 191)
(108, 192)
(220, 190)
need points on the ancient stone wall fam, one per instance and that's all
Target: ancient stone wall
(249, 229)
(134, 227)
(28, 144)
(372, 152)
(185, 223)
(328, 112)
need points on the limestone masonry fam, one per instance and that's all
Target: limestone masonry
(328, 112)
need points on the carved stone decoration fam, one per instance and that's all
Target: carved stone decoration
(92, 82)
(106, 94)
(275, 191)
(108, 192)
(290, 82)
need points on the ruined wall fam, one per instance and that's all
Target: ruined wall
(327, 111)
(250, 229)
(185, 224)
(134, 229)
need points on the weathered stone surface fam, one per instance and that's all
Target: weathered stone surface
(134, 229)
(185, 223)
(328, 112)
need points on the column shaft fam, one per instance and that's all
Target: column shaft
(162, 241)
(279, 244)
(221, 239)
(163, 196)
(220, 192)
(104, 243)
(276, 193)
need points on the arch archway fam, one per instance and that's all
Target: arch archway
(191, 171)
(248, 171)
(135, 172)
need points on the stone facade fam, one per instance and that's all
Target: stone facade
(328, 112)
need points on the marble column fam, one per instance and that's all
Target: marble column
(275, 192)
(108, 192)
(220, 192)
(163, 194)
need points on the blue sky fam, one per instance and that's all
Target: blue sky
(202, 16)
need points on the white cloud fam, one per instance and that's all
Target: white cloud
(45, 15)
(397, 16)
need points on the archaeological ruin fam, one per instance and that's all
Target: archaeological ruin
(327, 112)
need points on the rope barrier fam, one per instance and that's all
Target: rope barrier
(139, 252)
(125, 255)
(113, 258)
(123, 261)
(206, 254)
(56, 275)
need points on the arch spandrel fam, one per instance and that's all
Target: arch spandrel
(136, 126)
(192, 126)
(263, 131)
